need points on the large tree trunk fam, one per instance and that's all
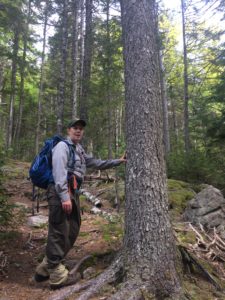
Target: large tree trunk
(186, 95)
(40, 93)
(86, 76)
(22, 74)
(62, 75)
(75, 8)
(13, 87)
(147, 224)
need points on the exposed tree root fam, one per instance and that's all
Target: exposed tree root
(67, 291)
(129, 290)
(77, 266)
(110, 275)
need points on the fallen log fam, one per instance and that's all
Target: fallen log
(91, 198)
(102, 178)
(189, 260)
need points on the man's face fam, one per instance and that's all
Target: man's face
(76, 133)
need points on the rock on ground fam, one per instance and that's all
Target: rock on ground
(206, 208)
(37, 221)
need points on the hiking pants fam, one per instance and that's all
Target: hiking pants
(63, 229)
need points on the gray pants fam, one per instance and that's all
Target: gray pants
(63, 229)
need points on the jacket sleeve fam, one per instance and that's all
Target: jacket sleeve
(60, 154)
(99, 164)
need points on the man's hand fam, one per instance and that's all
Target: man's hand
(124, 157)
(67, 206)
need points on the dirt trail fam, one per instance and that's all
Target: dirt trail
(24, 246)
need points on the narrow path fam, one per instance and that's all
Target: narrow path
(23, 246)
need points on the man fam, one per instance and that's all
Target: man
(69, 163)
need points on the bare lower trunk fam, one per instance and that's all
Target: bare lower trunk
(117, 118)
(1, 87)
(174, 124)
(13, 87)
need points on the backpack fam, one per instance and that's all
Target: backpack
(41, 168)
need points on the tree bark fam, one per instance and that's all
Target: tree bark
(86, 76)
(75, 8)
(186, 95)
(62, 75)
(13, 87)
(40, 93)
(147, 224)
(22, 74)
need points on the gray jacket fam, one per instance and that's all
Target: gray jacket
(60, 166)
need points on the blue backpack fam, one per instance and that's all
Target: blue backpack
(41, 169)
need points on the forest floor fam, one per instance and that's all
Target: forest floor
(22, 246)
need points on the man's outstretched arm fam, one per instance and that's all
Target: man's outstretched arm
(99, 164)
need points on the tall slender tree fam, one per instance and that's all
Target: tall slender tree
(108, 80)
(13, 85)
(164, 96)
(75, 9)
(22, 72)
(81, 47)
(88, 45)
(62, 72)
(40, 93)
(186, 95)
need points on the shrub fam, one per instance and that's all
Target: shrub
(197, 167)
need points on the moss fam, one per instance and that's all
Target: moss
(199, 289)
(177, 184)
(84, 234)
(82, 198)
(112, 231)
(10, 235)
(186, 237)
(179, 194)
(179, 199)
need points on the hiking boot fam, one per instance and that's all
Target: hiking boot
(60, 277)
(41, 272)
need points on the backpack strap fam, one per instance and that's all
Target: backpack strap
(72, 156)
